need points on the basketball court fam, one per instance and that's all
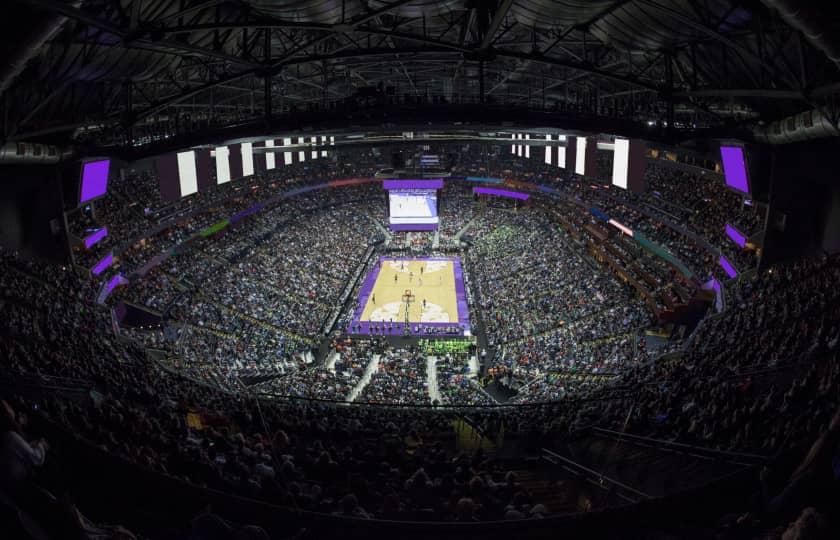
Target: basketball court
(431, 289)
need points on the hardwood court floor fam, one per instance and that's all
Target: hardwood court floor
(436, 285)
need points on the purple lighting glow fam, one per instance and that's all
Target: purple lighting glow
(727, 267)
(734, 168)
(94, 181)
(501, 193)
(95, 237)
(736, 235)
(102, 265)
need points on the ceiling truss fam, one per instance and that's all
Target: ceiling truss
(139, 69)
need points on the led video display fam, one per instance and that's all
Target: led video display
(412, 206)
(94, 181)
(94, 238)
(103, 264)
(727, 267)
(735, 235)
(734, 168)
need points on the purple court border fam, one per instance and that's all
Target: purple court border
(359, 327)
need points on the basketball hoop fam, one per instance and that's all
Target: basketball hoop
(407, 298)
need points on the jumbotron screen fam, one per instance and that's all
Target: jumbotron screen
(412, 207)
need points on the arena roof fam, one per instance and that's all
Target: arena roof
(121, 68)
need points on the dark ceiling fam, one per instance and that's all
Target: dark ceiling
(138, 69)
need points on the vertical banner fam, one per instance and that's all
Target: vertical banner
(562, 151)
(527, 146)
(580, 155)
(270, 162)
(187, 174)
(548, 150)
(235, 161)
(247, 150)
(570, 154)
(287, 156)
(222, 154)
(259, 157)
(301, 153)
(166, 170)
(204, 169)
(621, 159)
(636, 166)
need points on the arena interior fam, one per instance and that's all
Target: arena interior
(305, 269)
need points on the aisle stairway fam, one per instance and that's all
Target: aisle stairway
(651, 468)
(329, 363)
(370, 369)
(546, 491)
(382, 229)
(431, 379)
(473, 365)
(469, 439)
(466, 227)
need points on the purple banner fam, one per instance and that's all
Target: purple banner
(412, 184)
(734, 168)
(94, 182)
(736, 235)
(103, 264)
(727, 267)
(397, 227)
(501, 193)
(95, 237)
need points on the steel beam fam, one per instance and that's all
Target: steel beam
(498, 17)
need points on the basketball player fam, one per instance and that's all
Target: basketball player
(420, 280)
(421, 268)
(395, 277)
(410, 276)
(373, 298)
(424, 303)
